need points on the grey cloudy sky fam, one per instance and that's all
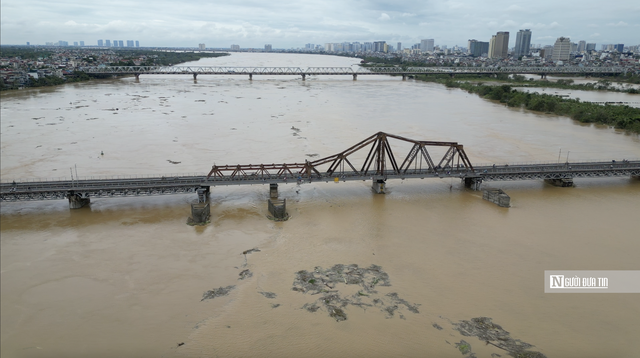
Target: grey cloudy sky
(292, 24)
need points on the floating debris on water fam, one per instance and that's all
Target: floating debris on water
(326, 283)
(268, 294)
(493, 334)
(217, 292)
(250, 251)
(245, 274)
(172, 162)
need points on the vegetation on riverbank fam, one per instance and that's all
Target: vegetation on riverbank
(618, 116)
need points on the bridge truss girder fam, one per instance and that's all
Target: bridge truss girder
(380, 161)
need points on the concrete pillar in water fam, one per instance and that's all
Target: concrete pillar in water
(473, 183)
(278, 208)
(200, 213)
(76, 201)
(251, 77)
(378, 186)
(273, 191)
(497, 196)
(355, 77)
(195, 76)
(564, 182)
(404, 77)
(304, 76)
(137, 76)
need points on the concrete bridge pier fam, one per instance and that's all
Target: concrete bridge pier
(304, 76)
(76, 201)
(273, 190)
(564, 182)
(473, 183)
(137, 76)
(201, 211)
(195, 76)
(378, 185)
(355, 77)
(251, 77)
(543, 76)
(404, 77)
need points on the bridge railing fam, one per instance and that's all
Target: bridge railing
(100, 177)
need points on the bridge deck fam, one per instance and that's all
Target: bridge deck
(160, 185)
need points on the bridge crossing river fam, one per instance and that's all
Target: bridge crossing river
(378, 165)
(348, 71)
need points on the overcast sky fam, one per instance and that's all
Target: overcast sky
(292, 24)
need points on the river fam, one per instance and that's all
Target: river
(125, 276)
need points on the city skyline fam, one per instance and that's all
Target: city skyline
(292, 24)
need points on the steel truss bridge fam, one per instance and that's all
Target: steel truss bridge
(317, 71)
(374, 158)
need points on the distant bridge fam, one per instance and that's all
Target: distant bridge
(347, 71)
(373, 158)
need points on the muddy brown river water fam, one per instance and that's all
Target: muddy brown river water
(125, 277)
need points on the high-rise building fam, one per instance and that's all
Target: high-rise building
(75, 43)
(28, 43)
(619, 47)
(82, 43)
(427, 45)
(137, 43)
(399, 49)
(129, 43)
(107, 43)
(267, 48)
(582, 46)
(523, 43)
(120, 43)
(63, 43)
(561, 49)
(591, 47)
(202, 46)
(477, 48)
(235, 47)
(100, 44)
(379, 46)
(500, 47)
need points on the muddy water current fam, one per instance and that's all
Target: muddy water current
(126, 276)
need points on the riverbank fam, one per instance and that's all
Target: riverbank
(617, 116)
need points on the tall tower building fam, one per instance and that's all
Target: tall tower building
(500, 47)
(100, 43)
(399, 47)
(561, 49)
(427, 45)
(582, 46)
(523, 43)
